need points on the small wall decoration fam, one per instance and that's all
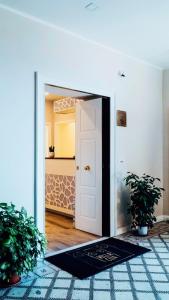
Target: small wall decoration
(121, 118)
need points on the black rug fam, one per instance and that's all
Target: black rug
(88, 260)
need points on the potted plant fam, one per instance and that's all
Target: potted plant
(144, 194)
(21, 244)
(51, 151)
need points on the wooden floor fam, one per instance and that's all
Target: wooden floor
(61, 234)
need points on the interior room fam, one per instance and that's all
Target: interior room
(60, 169)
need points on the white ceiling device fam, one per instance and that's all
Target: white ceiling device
(137, 28)
(91, 6)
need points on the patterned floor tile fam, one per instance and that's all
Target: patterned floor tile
(102, 275)
(27, 278)
(103, 285)
(162, 296)
(155, 269)
(161, 249)
(159, 245)
(139, 276)
(63, 274)
(124, 296)
(122, 285)
(16, 292)
(164, 255)
(42, 282)
(150, 255)
(101, 295)
(142, 286)
(151, 261)
(120, 276)
(44, 270)
(136, 261)
(138, 268)
(37, 293)
(167, 268)
(162, 287)
(2, 292)
(159, 277)
(146, 296)
(80, 295)
(82, 284)
(26, 283)
(165, 261)
(142, 278)
(62, 283)
(58, 294)
(120, 267)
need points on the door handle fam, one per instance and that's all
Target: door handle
(87, 168)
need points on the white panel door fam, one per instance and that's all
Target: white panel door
(88, 204)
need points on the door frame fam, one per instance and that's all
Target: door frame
(108, 160)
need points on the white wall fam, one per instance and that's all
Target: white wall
(27, 46)
(166, 140)
(139, 145)
(60, 167)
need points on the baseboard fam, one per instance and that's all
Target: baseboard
(60, 210)
(124, 229)
(162, 218)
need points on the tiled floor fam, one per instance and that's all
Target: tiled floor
(157, 229)
(142, 278)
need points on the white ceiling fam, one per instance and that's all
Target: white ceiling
(63, 92)
(138, 28)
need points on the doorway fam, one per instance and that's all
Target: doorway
(82, 217)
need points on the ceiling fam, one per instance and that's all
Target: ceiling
(52, 91)
(138, 28)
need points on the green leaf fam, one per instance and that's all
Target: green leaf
(3, 205)
(26, 264)
(24, 212)
(20, 241)
(4, 265)
(7, 242)
(144, 195)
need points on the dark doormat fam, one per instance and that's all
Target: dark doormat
(89, 260)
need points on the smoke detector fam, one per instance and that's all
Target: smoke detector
(91, 6)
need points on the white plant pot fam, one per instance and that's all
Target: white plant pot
(142, 230)
(51, 154)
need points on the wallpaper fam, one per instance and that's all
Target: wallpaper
(60, 191)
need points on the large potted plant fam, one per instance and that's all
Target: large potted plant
(21, 244)
(144, 195)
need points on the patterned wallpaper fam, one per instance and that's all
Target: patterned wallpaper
(64, 104)
(60, 191)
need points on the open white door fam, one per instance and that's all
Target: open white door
(88, 203)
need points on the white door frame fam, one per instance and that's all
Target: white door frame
(39, 150)
(49, 125)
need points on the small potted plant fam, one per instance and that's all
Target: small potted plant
(144, 195)
(21, 244)
(51, 151)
